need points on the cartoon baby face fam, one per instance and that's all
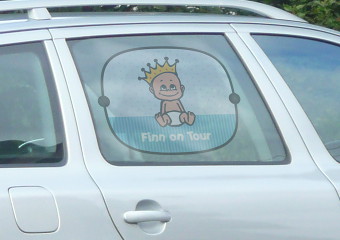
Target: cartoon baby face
(167, 86)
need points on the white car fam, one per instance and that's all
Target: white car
(167, 126)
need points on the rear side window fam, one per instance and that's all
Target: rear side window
(30, 129)
(311, 69)
(174, 99)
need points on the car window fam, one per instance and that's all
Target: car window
(174, 99)
(30, 131)
(311, 68)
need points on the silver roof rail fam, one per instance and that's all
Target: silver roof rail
(255, 7)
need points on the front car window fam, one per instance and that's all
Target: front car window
(311, 68)
(30, 128)
(174, 99)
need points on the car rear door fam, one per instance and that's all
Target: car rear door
(45, 190)
(233, 166)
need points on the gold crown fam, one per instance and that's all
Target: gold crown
(158, 69)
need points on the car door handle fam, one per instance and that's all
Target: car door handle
(146, 216)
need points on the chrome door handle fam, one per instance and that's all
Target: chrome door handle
(146, 216)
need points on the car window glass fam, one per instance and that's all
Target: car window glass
(311, 69)
(28, 125)
(174, 99)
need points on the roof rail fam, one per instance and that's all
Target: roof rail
(255, 7)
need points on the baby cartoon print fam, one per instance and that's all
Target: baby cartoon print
(166, 86)
(165, 112)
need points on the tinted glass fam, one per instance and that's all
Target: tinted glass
(174, 99)
(30, 129)
(311, 69)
